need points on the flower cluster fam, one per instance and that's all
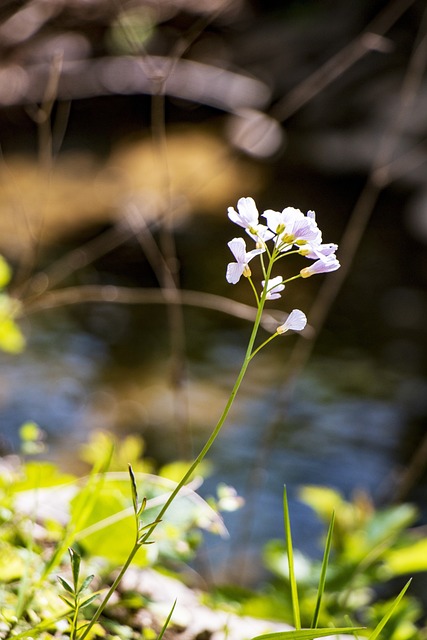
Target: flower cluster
(290, 231)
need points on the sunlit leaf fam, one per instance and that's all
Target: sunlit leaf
(165, 626)
(408, 560)
(12, 565)
(290, 555)
(11, 337)
(308, 634)
(323, 500)
(374, 635)
(5, 273)
(322, 580)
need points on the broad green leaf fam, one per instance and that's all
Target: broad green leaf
(386, 522)
(12, 565)
(40, 475)
(408, 559)
(323, 500)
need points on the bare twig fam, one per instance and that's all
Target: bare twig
(132, 295)
(340, 62)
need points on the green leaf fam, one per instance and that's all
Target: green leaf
(67, 601)
(65, 585)
(86, 582)
(408, 560)
(88, 600)
(38, 475)
(165, 626)
(75, 566)
(12, 564)
(323, 500)
(380, 626)
(289, 549)
(134, 490)
(142, 507)
(308, 634)
(322, 580)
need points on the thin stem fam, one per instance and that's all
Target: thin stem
(292, 278)
(261, 346)
(254, 290)
(144, 539)
(112, 589)
(223, 417)
(283, 254)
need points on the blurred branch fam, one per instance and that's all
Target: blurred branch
(42, 115)
(164, 260)
(370, 39)
(76, 259)
(130, 295)
(193, 81)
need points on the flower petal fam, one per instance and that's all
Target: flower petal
(296, 321)
(234, 272)
(246, 215)
(237, 247)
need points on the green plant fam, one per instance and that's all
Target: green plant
(101, 508)
(361, 547)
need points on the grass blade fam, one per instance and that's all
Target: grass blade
(380, 626)
(308, 634)
(165, 626)
(290, 554)
(322, 579)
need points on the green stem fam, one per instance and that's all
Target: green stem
(74, 621)
(261, 346)
(292, 278)
(218, 427)
(140, 541)
(111, 590)
(254, 290)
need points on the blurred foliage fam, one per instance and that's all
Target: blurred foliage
(43, 512)
(370, 547)
(11, 338)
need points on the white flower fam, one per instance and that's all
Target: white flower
(274, 286)
(247, 216)
(295, 321)
(324, 265)
(292, 227)
(236, 269)
(318, 251)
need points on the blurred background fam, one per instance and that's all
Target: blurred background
(127, 128)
